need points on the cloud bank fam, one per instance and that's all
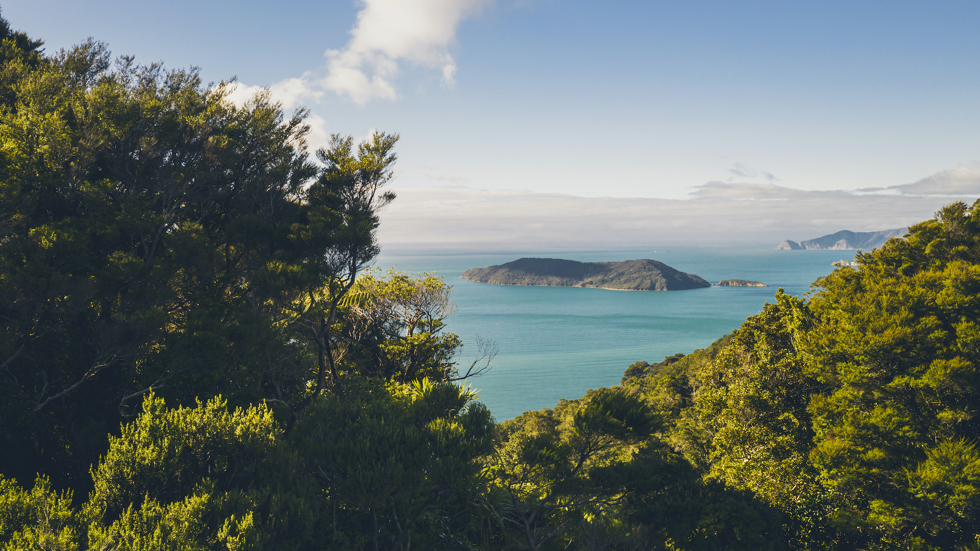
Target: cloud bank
(962, 180)
(715, 213)
(742, 171)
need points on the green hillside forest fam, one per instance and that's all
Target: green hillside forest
(194, 357)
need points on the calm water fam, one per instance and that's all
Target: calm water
(558, 342)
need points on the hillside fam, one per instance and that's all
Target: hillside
(844, 240)
(629, 275)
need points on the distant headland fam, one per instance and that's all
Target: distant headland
(844, 240)
(630, 275)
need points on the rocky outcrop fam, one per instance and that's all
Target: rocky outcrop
(789, 246)
(740, 283)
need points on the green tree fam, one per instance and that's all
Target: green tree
(398, 465)
(155, 237)
(337, 235)
(898, 351)
(750, 408)
(549, 462)
(393, 329)
(194, 478)
(667, 385)
(18, 53)
(136, 207)
(39, 519)
(669, 505)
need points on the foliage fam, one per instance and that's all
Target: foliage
(667, 385)
(397, 462)
(155, 237)
(897, 349)
(136, 207)
(549, 461)
(192, 478)
(666, 498)
(393, 329)
(851, 414)
(336, 233)
(749, 426)
(39, 519)
(158, 241)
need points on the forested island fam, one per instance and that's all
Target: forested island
(194, 355)
(629, 275)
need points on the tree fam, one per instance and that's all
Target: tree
(897, 349)
(136, 208)
(548, 461)
(193, 478)
(391, 458)
(392, 328)
(340, 218)
(750, 409)
(39, 519)
(18, 53)
(669, 505)
(156, 238)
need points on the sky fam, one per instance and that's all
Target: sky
(608, 123)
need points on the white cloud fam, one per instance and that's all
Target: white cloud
(962, 180)
(389, 33)
(743, 171)
(319, 136)
(715, 213)
(367, 137)
(296, 91)
(289, 93)
(239, 93)
(745, 192)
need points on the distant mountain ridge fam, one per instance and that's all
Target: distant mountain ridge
(630, 275)
(844, 240)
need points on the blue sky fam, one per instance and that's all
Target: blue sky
(705, 112)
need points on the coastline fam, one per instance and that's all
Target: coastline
(576, 286)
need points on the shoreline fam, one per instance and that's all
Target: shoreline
(583, 286)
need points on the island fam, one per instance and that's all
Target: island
(740, 283)
(629, 275)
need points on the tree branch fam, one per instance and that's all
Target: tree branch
(10, 359)
(159, 383)
(95, 369)
(487, 351)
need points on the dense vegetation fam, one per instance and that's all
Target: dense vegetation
(193, 356)
(629, 275)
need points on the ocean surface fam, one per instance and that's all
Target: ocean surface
(559, 342)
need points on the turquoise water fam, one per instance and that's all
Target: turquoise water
(558, 342)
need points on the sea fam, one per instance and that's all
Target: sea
(558, 342)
